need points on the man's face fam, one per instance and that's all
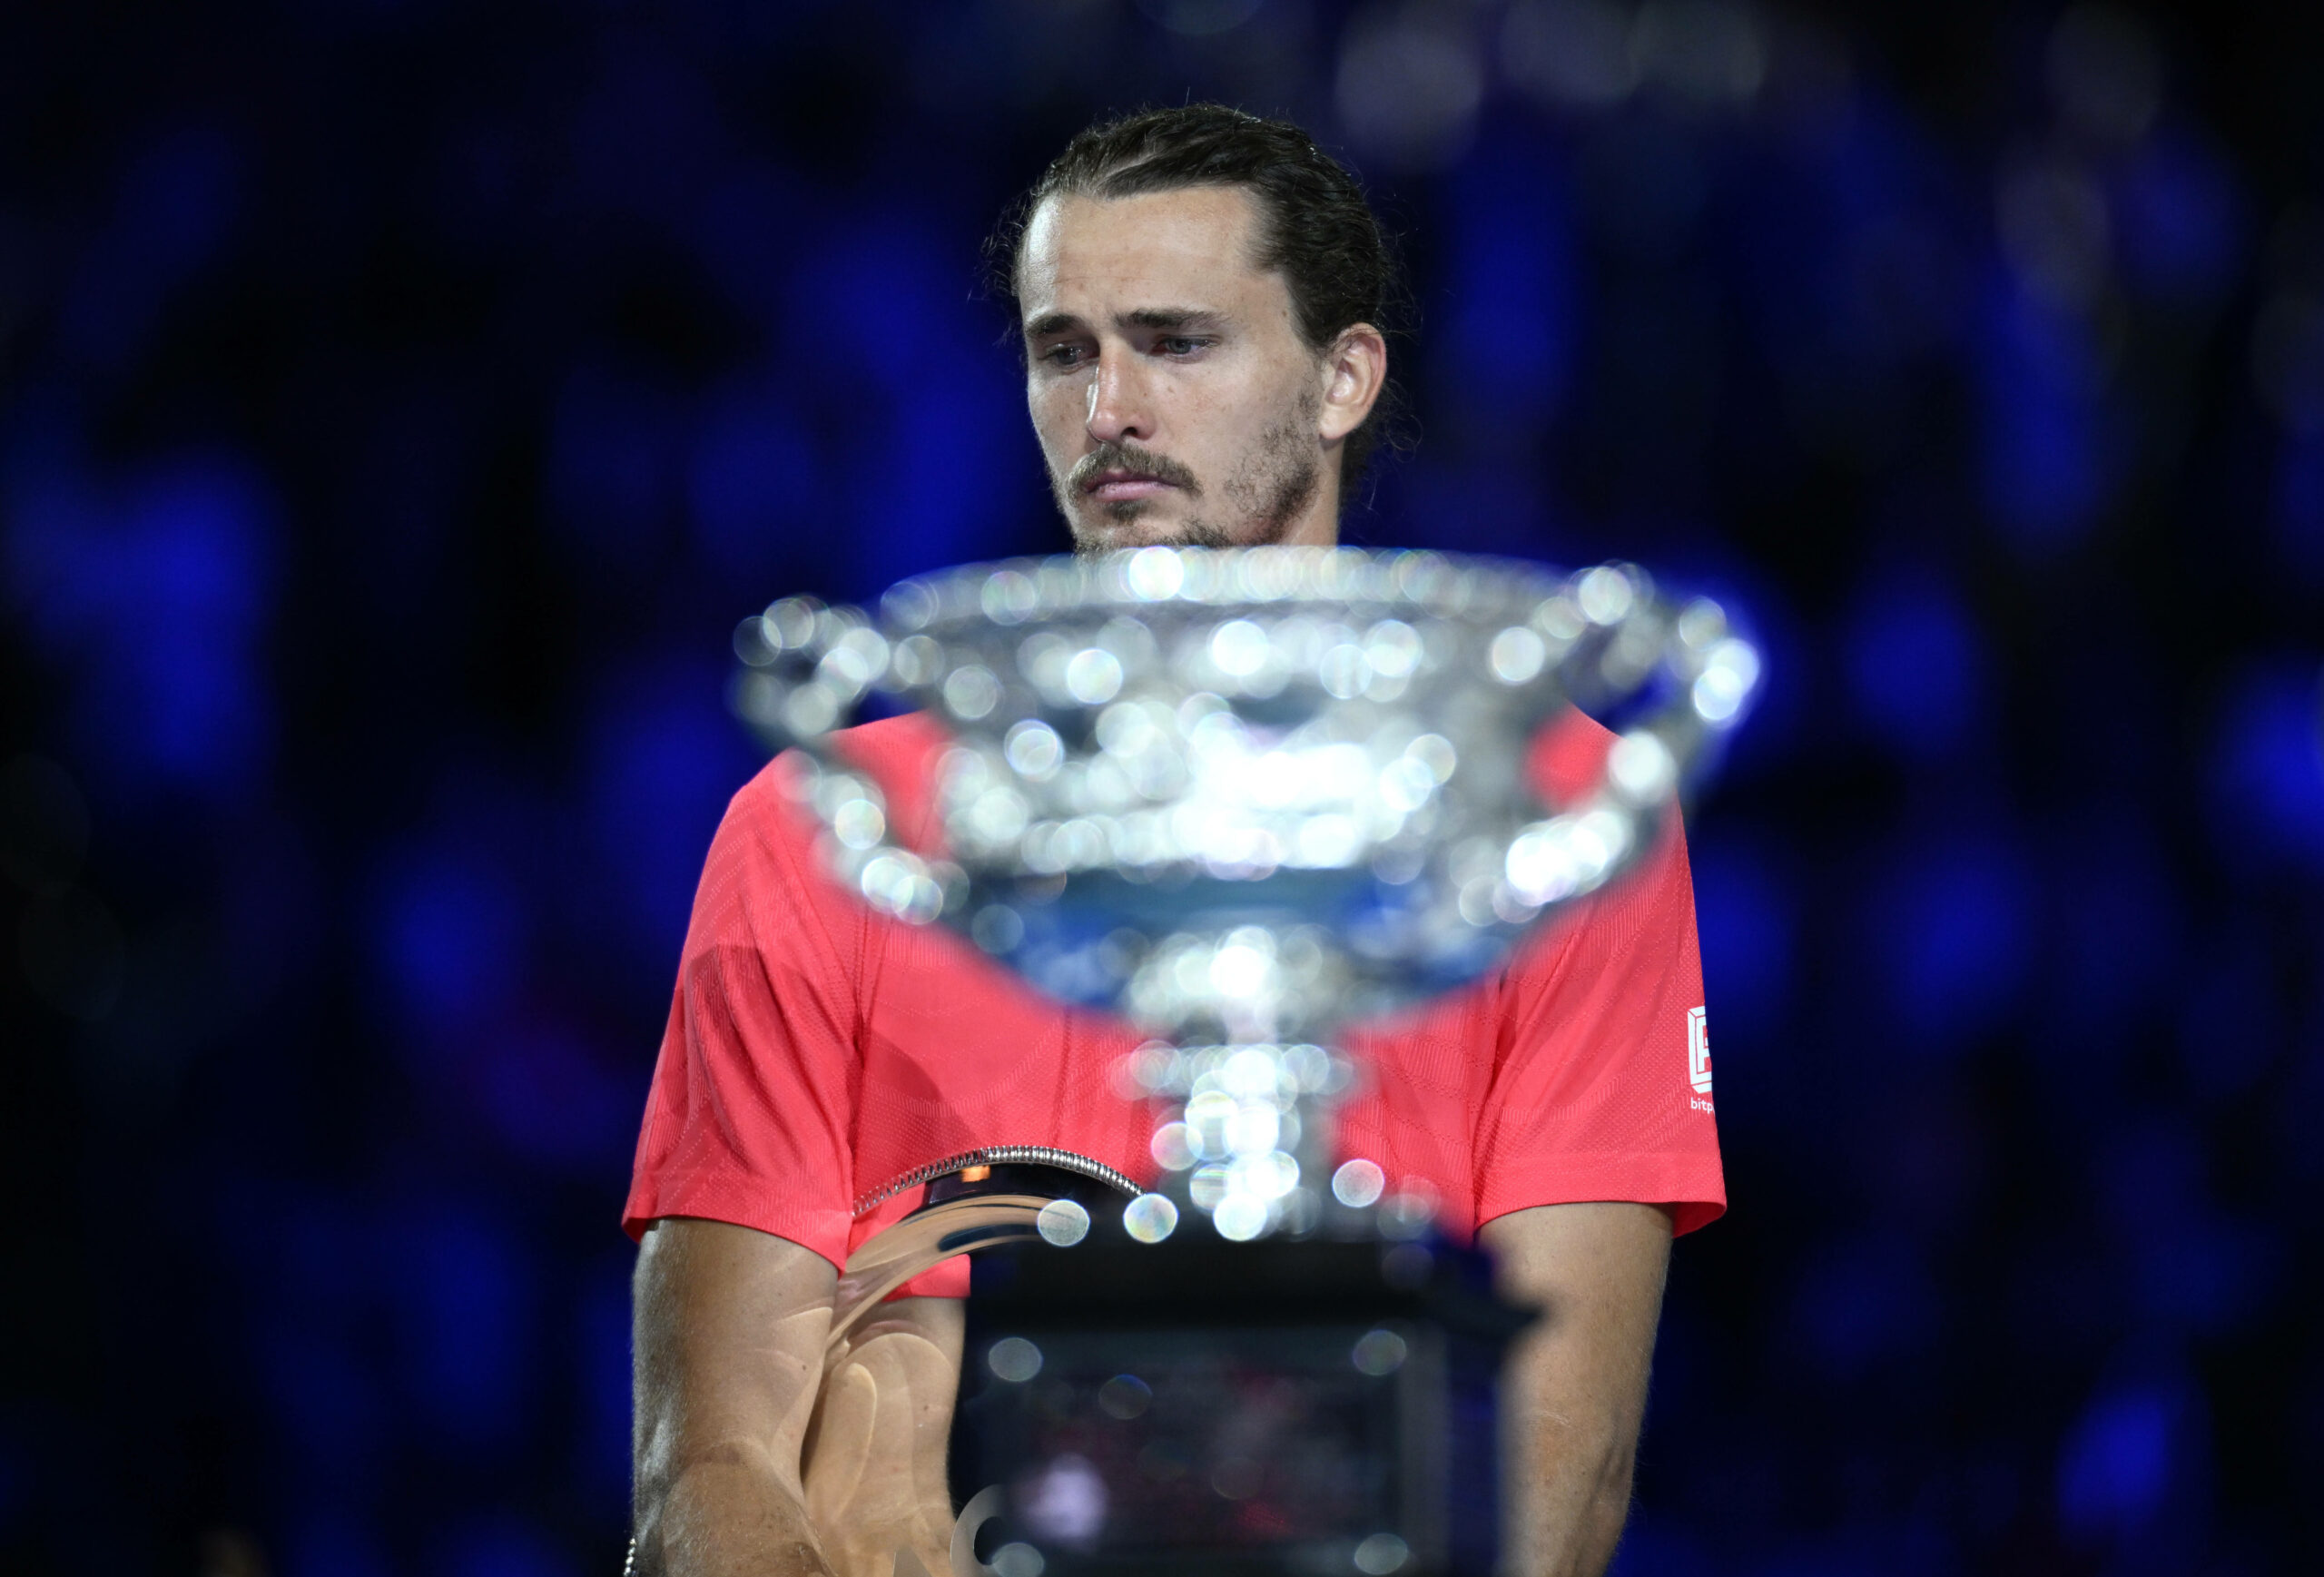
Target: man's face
(1173, 396)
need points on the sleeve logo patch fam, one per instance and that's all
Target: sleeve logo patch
(1698, 1053)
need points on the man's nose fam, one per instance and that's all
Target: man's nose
(1119, 409)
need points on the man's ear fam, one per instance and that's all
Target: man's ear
(1354, 371)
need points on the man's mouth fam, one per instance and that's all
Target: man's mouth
(1118, 476)
(1121, 487)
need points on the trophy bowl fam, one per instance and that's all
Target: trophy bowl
(1176, 743)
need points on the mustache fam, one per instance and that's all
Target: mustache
(1144, 464)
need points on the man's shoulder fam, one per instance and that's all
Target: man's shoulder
(1568, 755)
(899, 753)
(905, 745)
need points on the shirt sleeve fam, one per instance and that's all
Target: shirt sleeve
(1601, 1079)
(748, 1118)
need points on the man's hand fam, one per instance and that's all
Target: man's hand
(875, 1463)
(1574, 1393)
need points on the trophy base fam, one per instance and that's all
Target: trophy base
(1234, 1408)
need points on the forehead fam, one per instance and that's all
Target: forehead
(1098, 256)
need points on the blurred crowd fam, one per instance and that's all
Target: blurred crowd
(400, 401)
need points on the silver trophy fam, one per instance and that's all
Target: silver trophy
(1240, 798)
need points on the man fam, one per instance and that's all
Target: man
(1200, 295)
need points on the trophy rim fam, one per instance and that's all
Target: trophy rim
(1030, 589)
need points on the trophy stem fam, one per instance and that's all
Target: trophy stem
(1247, 1134)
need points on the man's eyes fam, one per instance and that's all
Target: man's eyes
(1065, 357)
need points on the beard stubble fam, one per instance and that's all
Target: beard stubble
(1267, 495)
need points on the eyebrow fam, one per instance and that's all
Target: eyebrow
(1166, 318)
(1173, 317)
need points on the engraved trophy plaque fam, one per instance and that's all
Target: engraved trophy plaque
(1240, 798)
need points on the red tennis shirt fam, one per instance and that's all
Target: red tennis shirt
(816, 1051)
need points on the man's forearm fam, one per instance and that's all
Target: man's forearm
(1573, 1393)
(1570, 1472)
(727, 1514)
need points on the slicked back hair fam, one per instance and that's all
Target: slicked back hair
(1315, 228)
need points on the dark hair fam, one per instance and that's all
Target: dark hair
(1316, 228)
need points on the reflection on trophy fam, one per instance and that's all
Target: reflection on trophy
(1241, 799)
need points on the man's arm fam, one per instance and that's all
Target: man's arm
(729, 1331)
(731, 1327)
(1573, 1394)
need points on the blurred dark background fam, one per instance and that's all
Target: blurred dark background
(400, 400)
